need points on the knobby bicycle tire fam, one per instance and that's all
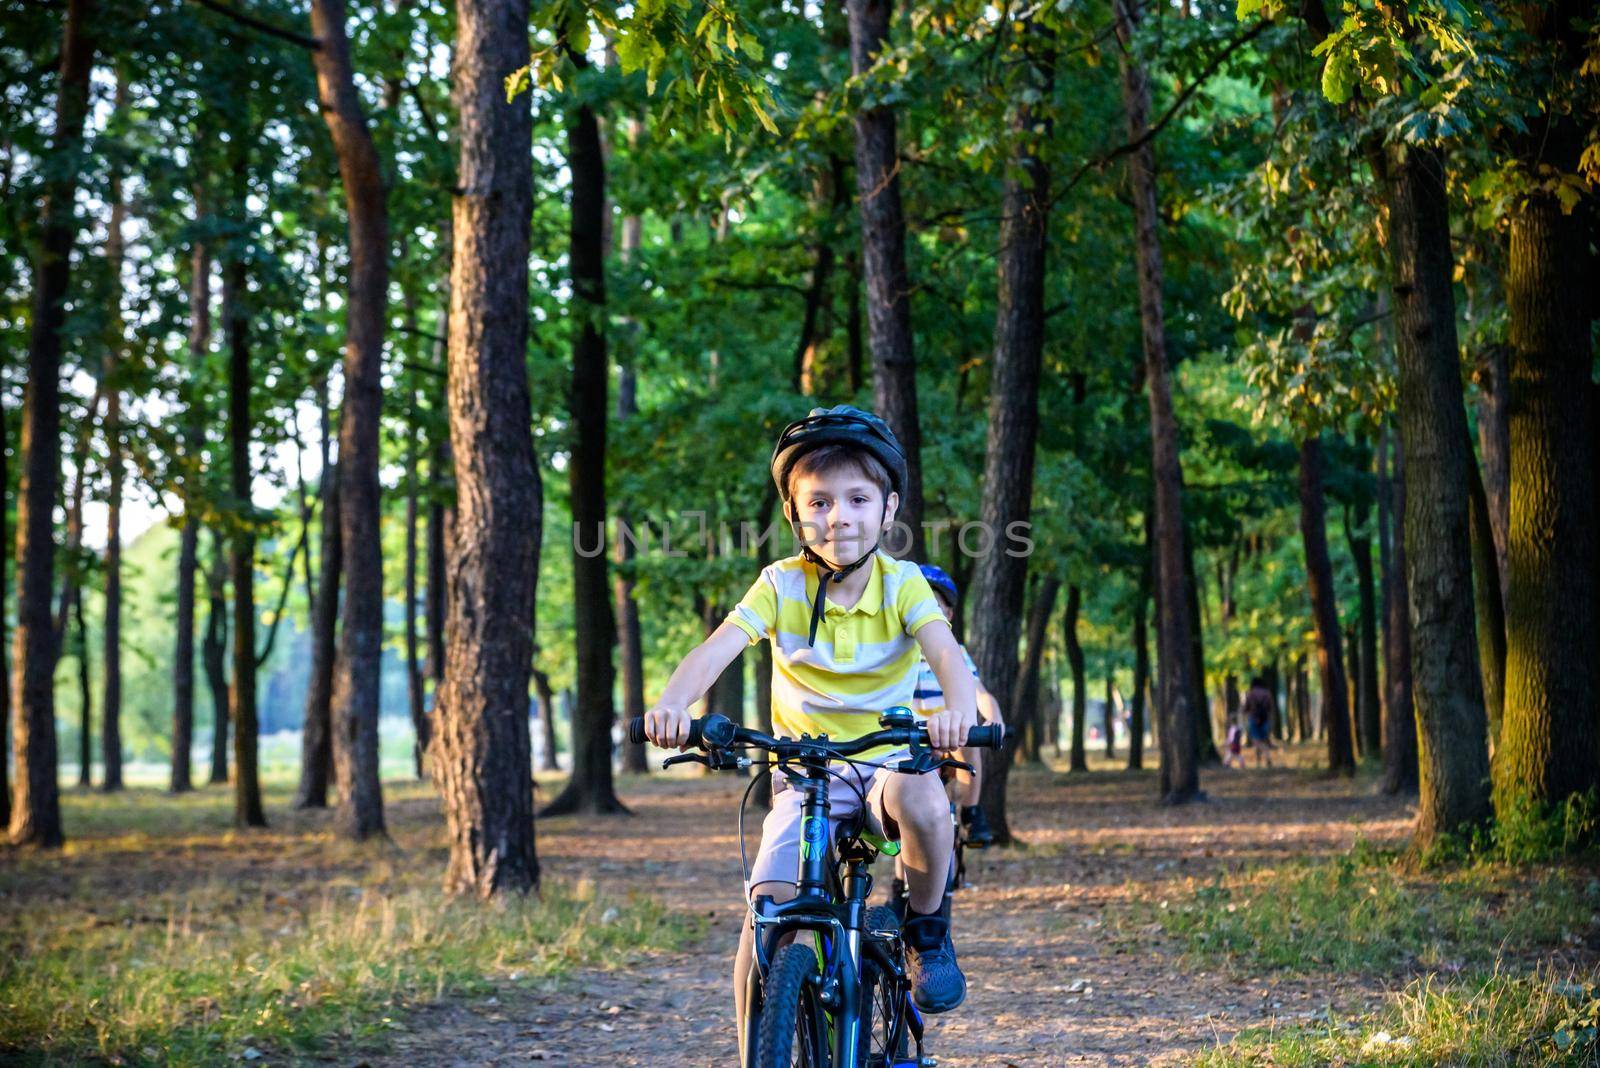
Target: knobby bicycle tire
(791, 1014)
(885, 1032)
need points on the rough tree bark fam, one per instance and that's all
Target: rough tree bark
(1486, 588)
(1013, 416)
(1177, 734)
(1494, 441)
(1141, 681)
(630, 646)
(888, 284)
(1549, 745)
(481, 758)
(1447, 686)
(591, 787)
(36, 802)
(1324, 610)
(356, 669)
(414, 680)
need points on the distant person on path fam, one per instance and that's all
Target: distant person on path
(929, 698)
(1259, 706)
(1234, 756)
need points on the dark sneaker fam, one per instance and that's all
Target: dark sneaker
(937, 984)
(979, 833)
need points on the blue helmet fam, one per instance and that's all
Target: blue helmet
(941, 582)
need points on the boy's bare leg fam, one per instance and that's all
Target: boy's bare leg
(921, 809)
(971, 782)
(744, 959)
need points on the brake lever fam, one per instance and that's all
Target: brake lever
(684, 758)
(715, 759)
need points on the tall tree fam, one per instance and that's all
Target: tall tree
(1550, 740)
(1013, 420)
(1080, 680)
(316, 734)
(414, 679)
(1399, 724)
(189, 530)
(1324, 610)
(111, 624)
(481, 758)
(883, 246)
(214, 655)
(1364, 684)
(1029, 697)
(356, 669)
(1141, 681)
(36, 806)
(630, 646)
(591, 787)
(1177, 733)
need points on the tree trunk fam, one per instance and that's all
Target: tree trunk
(888, 284)
(762, 795)
(629, 642)
(590, 789)
(1111, 716)
(1205, 742)
(1141, 681)
(481, 758)
(547, 721)
(439, 465)
(1324, 610)
(816, 323)
(1400, 774)
(189, 536)
(316, 735)
(214, 655)
(1549, 750)
(1029, 701)
(1180, 775)
(357, 667)
(1448, 688)
(1494, 440)
(85, 691)
(111, 624)
(1013, 419)
(1491, 609)
(1369, 712)
(414, 680)
(36, 803)
(247, 810)
(1080, 682)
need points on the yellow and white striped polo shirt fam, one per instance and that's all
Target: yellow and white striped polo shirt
(866, 656)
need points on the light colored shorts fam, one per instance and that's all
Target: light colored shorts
(778, 859)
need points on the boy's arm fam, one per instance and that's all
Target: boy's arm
(667, 722)
(947, 730)
(988, 706)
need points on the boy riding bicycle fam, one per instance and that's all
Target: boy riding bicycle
(849, 626)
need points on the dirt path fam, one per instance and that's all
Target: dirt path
(1049, 983)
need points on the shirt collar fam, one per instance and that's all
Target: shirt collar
(871, 602)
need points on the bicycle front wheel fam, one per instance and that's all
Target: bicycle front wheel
(793, 1032)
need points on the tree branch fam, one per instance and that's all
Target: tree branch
(1101, 161)
(283, 596)
(260, 25)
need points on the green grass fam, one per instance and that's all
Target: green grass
(1366, 913)
(160, 935)
(1493, 1020)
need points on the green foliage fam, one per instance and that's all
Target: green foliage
(1363, 912)
(1527, 832)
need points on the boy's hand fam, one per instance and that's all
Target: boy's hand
(667, 727)
(947, 731)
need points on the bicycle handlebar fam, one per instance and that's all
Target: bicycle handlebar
(723, 732)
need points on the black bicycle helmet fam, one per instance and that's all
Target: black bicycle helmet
(841, 425)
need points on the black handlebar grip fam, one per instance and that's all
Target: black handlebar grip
(636, 731)
(987, 737)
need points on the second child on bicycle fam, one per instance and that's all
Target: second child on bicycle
(849, 626)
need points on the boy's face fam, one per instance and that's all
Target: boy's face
(841, 513)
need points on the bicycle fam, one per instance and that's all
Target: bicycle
(844, 1000)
